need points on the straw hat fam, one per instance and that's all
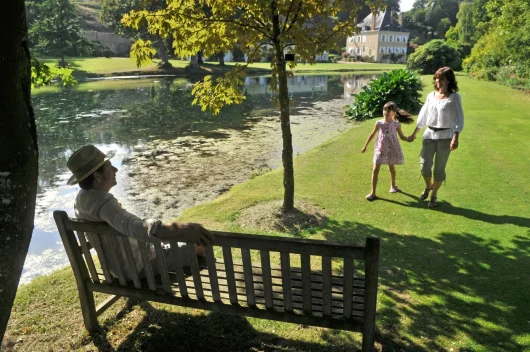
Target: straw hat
(85, 161)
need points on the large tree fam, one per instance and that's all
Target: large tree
(260, 28)
(18, 156)
(55, 31)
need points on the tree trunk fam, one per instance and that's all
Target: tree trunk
(200, 61)
(18, 156)
(164, 59)
(221, 59)
(287, 152)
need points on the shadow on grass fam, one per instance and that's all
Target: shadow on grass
(448, 208)
(161, 330)
(439, 289)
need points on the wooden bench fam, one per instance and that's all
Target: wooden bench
(311, 294)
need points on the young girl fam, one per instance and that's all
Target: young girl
(387, 149)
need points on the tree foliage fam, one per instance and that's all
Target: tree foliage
(433, 55)
(43, 74)
(400, 86)
(260, 28)
(54, 30)
(503, 51)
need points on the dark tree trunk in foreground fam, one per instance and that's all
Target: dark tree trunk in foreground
(18, 154)
(221, 59)
(287, 152)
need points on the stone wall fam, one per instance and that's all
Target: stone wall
(119, 45)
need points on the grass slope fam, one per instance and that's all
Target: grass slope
(454, 278)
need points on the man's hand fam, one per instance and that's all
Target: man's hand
(191, 232)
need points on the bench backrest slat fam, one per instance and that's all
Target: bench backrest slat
(148, 270)
(96, 243)
(266, 277)
(88, 257)
(286, 281)
(348, 288)
(249, 278)
(326, 286)
(212, 273)
(306, 283)
(162, 267)
(230, 278)
(114, 257)
(130, 260)
(195, 271)
(177, 255)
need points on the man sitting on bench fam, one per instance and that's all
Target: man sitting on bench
(95, 174)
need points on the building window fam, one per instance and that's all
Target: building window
(358, 51)
(358, 39)
(352, 51)
(382, 49)
(405, 39)
(404, 50)
(364, 48)
(364, 39)
(389, 50)
(398, 38)
(383, 38)
(397, 50)
(389, 38)
(351, 40)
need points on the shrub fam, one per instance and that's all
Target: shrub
(433, 55)
(400, 86)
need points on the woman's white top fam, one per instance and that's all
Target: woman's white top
(441, 113)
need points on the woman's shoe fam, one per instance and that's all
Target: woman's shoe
(394, 189)
(425, 194)
(371, 197)
(433, 202)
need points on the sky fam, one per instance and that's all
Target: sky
(406, 5)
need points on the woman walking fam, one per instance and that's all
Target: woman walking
(444, 117)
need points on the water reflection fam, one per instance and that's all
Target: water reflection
(123, 115)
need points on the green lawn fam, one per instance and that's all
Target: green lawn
(121, 65)
(455, 278)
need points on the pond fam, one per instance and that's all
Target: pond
(170, 155)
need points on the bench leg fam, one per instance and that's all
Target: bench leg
(88, 307)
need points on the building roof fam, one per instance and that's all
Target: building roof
(383, 22)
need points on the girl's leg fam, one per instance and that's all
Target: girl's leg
(375, 177)
(392, 170)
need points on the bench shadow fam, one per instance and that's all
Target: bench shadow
(161, 330)
(441, 288)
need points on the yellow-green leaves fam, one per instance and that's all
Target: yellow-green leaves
(213, 95)
(142, 52)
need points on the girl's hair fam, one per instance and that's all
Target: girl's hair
(449, 74)
(401, 115)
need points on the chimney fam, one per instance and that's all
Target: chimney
(373, 21)
(400, 18)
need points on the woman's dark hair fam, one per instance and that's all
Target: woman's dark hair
(88, 182)
(449, 74)
(401, 115)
